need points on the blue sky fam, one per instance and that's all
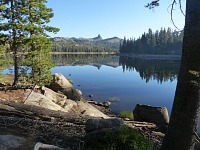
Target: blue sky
(129, 18)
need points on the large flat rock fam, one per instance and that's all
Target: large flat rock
(59, 102)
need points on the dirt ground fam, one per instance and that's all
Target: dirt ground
(12, 95)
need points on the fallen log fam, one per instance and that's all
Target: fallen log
(38, 113)
(48, 126)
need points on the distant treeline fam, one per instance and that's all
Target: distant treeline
(159, 42)
(81, 47)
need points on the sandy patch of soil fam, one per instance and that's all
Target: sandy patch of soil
(13, 95)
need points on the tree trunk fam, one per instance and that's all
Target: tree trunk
(16, 73)
(184, 116)
(14, 45)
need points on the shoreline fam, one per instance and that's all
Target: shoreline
(85, 53)
(132, 55)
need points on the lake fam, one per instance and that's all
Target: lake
(130, 80)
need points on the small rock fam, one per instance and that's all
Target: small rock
(100, 104)
(79, 92)
(107, 103)
(96, 103)
(90, 95)
(126, 119)
(2, 84)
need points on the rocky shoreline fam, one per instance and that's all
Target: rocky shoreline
(49, 116)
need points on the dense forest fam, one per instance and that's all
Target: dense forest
(81, 47)
(159, 42)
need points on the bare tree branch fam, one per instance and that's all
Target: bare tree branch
(180, 6)
(155, 3)
(172, 8)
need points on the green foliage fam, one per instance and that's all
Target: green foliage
(6, 79)
(114, 99)
(3, 63)
(24, 27)
(160, 42)
(37, 61)
(126, 114)
(3, 60)
(122, 138)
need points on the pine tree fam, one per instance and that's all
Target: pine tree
(3, 60)
(160, 42)
(25, 22)
(12, 30)
(37, 57)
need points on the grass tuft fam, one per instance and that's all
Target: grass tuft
(126, 114)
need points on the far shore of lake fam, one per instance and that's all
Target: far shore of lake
(84, 53)
(142, 56)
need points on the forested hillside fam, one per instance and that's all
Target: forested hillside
(97, 44)
(159, 42)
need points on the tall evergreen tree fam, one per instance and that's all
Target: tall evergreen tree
(160, 42)
(25, 26)
(12, 30)
(3, 60)
(38, 44)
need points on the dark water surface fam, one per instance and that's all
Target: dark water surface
(132, 80)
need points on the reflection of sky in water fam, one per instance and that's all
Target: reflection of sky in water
(113, 82)
(128, 86)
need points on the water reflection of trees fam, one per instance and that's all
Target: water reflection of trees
(160, 70)
(83, 59)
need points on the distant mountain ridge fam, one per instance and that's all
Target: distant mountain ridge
(95, 39)
(109, 44)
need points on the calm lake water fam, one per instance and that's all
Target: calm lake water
(132, 80)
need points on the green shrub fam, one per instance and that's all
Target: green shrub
(126, 114)
(121, 138)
